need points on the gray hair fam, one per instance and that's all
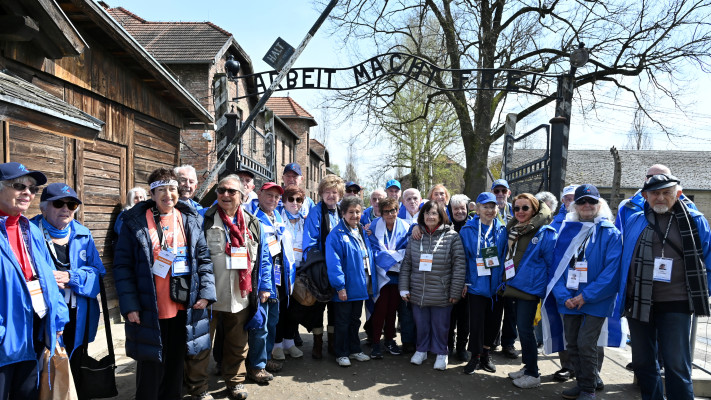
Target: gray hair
(131, 196)
(548, 198)
(349, 202)
(603, 211)
(378, 190)
(459, 199)
(190, 169)
(407, 191)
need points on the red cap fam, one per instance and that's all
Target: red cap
(270, 185)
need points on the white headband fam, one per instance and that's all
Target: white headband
(163, 183)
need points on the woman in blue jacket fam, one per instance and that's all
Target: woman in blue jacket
(528, 253)
(350, 264)
(586, 280)
(79, 267)
(484, 240)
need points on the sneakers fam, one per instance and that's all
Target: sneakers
(510, 352)
(259, 375)
(343, 361)
(376, 353)
(441, 362)
(392, 348)
(278, 354)
(563, 374)
(471, 366)
(527, 382)
(487, 364)
(292, 352)
(517, 374)
(274, 365)
(359, 356)
(202, 396)
(238, 392)
(418, 357)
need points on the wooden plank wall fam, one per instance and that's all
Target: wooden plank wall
(155, 145)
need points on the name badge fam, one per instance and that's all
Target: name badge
(510, 269)
(274, 247)
(662, 269)
(491, 256)
(481, 269)
(180, 267)
(573, 279)
(298, 254)
(277, 274)
(37, 297)
(426, 262)
(237, 258)
(162, 263)
(582, 268)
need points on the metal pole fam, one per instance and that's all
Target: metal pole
(560, 132)
(263, 100)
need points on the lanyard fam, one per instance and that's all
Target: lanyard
(159, 229)
(50, 243)
(296, 229)
(582, 248)
(485, 236)
(390, 240)
(25, 248)
(664, 239)
(436, 244)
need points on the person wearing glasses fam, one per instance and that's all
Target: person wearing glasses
(388, 240)
(431, 278)
(33, 311)
(528, 253)
(352, 189)
(500, 189)
(585, 282)
(187, 184)
(78, 267)
(239, 255)
(164, 280)
(292, 176)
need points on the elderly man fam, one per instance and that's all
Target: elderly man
(246, 178)
(665, 262)
(566, 200)
(78, 268)
(187, 181)
(239, 256)
(392, 189)
(292, 176)
(33, 311)
(373, 212)
(500, 189)
(352, 189)
(410, 207)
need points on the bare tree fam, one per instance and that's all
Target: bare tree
(350, 172)
(638, 136)
(637, 47)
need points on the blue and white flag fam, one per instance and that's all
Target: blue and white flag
(388, 251)
(571, 237)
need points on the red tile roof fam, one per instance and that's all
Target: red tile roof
(177, 42)
(286, 107)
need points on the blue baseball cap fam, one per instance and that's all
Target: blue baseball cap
(486, 197)
(587, 190)
(351, 184)
(293, 167)
(393, 182)
(14, 170)
(57, 190)
(500, 182)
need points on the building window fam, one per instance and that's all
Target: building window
(283, 153)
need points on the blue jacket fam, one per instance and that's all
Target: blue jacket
(635, 204)
(345, 264)
(367, 216)
(483, 285)
(16, 313)
(267, 281)
(559, 218)
(633, 229)
(312, 230)
(136, 290)
(603, 253)
(86, 272)
(532, 274)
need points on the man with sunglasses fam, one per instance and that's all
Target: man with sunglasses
(78, 267)
(352, 189)
(32, 309)
(500, 189)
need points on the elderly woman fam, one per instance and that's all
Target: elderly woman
(439, 193)
(484, 239)
(457, 210)
(164, 281)
(529, 250)
(350, 264)
(432, 279)
(134, 196)
(32, 309)
(322, 218)
(388, 240)
(586, 272)
(78, 267)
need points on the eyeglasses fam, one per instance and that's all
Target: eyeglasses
(292, 199)
(71, 205)
(500, 191)
(522, 208)
(390, 211)
(352, 191)
(20, 187)
(222, 190)
(584, 200)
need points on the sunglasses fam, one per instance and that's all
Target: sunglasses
(292, 199)
(71, 205)
(522, 208)
(500, 191)
(584, 200)
(20, 187)
(352, 191)
(390, 211)
(222, 190)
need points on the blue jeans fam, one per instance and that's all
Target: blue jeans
(672, 331)
(525, 313)
(261, 341)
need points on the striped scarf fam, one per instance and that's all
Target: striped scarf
(643, 262)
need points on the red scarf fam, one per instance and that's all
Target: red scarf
(14, 236)
(433, 230)
(237, 232)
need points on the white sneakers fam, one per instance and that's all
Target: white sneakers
(441, 362)
(359, 356)
(343, 361)
(278, 354)
(292, 352)
(517, 374)
(527, 382)
(418, 357)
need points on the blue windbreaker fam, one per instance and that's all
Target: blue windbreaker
(559, 218)
(345, 264)
(532, 274)
(268, 281)
(312, 228)
(471, 237)
(635, 204)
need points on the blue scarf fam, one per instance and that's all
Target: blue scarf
(54, 232)
(289, 215)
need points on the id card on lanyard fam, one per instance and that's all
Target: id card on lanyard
(34, 286)
(164, 262)
(180, 265)
(237, 258)
(426, 258)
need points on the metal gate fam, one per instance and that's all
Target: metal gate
(526, 170)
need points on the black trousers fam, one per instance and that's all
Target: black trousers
(288, 325)
(164, 380)
(460, 321)
(484, 321)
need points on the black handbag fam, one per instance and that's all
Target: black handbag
(180, 289)
(97, 378)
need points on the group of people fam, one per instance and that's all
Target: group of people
(456, 276)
